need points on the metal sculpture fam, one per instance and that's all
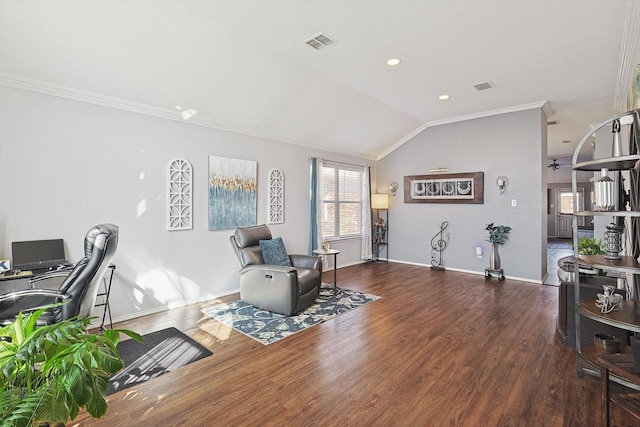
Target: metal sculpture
(438, 244)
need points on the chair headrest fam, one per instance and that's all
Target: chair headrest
(98, 236)
(251, 236)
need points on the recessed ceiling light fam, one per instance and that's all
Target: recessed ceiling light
(393, 62)
(443, 97)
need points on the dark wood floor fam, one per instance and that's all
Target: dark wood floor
(439, 349)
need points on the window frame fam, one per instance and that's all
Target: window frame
(339, 168)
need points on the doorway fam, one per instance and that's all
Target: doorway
(564, 216)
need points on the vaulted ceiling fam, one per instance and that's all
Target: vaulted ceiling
(244, 65)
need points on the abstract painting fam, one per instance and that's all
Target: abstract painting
(232, 193)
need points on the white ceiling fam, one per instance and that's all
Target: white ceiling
(244, 66)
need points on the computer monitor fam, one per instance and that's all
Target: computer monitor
(37, 254)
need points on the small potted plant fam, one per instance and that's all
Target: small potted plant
(588, 246)
(497, 236)
(48, 373)
(591, 246)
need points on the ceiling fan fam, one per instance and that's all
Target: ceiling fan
(554, 165)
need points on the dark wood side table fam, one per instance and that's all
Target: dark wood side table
(623, 367)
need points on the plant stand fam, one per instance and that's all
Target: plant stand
(489, 273)
(494, 265)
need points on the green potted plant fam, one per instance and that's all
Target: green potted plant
(48, 373)
(589, 246)
(497, 236)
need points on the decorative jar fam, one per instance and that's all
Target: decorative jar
(604, 192)
(613, 241)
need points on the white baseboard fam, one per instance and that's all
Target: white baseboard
(460, 270)
(96, 322)
(348, 265)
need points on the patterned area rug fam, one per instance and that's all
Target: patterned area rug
(267, 327)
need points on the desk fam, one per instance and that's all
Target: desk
(334, 253)
(19, 275)
(23, 280)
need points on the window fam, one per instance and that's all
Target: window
(341, 195)
(566, 201)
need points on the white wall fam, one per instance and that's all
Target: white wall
(68, 165)
(511, 144)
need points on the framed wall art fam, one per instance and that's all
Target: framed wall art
(445, 188)
(232, 193)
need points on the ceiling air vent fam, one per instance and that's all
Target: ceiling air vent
(319, 41)
(484, 86)
(552, 122)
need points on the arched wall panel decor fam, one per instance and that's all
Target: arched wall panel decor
(179, 195)
(276, 196)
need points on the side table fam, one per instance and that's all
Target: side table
(335, 253)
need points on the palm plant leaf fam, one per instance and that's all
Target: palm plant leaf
(48, 373)
(53, 407)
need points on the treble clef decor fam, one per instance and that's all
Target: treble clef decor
(438, 244)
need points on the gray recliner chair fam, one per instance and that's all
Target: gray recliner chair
(281, 289)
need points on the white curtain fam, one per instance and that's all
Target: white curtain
(365, 214)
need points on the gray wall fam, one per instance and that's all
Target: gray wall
(68, 165)
(512, 144)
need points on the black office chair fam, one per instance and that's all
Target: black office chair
(78, 291)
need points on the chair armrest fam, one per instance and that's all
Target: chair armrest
(49, 275)
(53, 293)
(307, 261)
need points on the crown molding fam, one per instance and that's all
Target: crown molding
(23, 83)
(627, 65)
(544, 105)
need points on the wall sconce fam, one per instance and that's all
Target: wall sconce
(502, 182)
(393, 187)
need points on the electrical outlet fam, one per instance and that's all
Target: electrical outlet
(514, 203)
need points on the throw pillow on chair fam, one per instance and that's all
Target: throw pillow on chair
(274, 252)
